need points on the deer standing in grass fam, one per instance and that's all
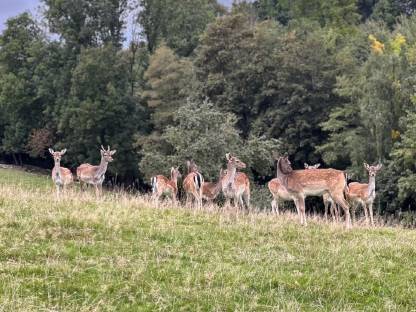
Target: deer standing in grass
(95, 175)
(364, 193)
(60, 176)
(210, 190)
(236, 185)
(164, 186)
(303, 183)
(328, 202)
(192, 184)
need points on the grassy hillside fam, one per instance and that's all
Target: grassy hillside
(121, 254)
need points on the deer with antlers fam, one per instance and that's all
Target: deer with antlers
(364, 193)
(329, 203)
(95, 175)
(162, 186)
(192, 183)
(210, 190)
(60, 176)
(236, 185)
(303, 183)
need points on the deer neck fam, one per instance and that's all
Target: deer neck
(371, 186)
(102, 168)
(57, 168)
(218, 186)
(174, 180)
(231, 172)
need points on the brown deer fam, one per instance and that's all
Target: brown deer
(279, 193)
(303, 183)
(328, 202)
(192, 183)
(60, 176)
(364, 193)
(164, 186)
(236, 185)
(210, 190)
(95, 175)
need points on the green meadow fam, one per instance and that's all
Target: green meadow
(122, 253)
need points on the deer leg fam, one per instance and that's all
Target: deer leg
(246, 196)
(58, 192)
(326, 204)
(340, 200)
(275, 207)
(370, 208)
(300, 205)
(365, 207)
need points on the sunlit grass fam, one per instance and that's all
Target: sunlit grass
(123, 253)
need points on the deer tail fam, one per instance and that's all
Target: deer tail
(154, 185)
(198, 180)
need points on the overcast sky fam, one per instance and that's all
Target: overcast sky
(10, 8)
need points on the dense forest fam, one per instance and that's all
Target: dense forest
(328, 81)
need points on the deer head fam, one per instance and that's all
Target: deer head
(192, 167)
(57, 155)
(284, 165)
(234, 161)
(107, 154)
(372, 170)
(175, 173)
(316, 166)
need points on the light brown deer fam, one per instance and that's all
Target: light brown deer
(162, 186)
(303, 183)
(364, 193)
(279, 193)
(60, 176)
(236, 185)
(210, 190)
(328, 202)
(192, 184)
(95, 175)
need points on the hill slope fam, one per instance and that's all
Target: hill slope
(120, 253)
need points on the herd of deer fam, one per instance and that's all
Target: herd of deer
(289, 185)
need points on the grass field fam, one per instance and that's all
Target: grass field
(122, 254)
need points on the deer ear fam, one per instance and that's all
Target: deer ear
(51, 151)
(227, 156)
(318, 165)
(366, 166)
(113, 152)
(63, 151)
(379, 166)
(306, 165)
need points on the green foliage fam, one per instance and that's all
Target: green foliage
(205, 134)
(101, 110)
(87, 23)
(169, 79)
(178, 23)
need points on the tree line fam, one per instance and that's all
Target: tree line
(321, 81)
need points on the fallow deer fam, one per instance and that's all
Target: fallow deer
(95, 175)
(60, 176)
(210, 190)
(303, 183)
(328, 202)
(236, 185)
(279, 193)
(164, 186)
(364, 193)
(192, 183)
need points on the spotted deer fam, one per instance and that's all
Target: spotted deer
(162, 186)
(210, 190)
(303, 183)
(192, 184)
(328, 202)
(236, 185)
(364, 193)
(60, 176)
(95, 175)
